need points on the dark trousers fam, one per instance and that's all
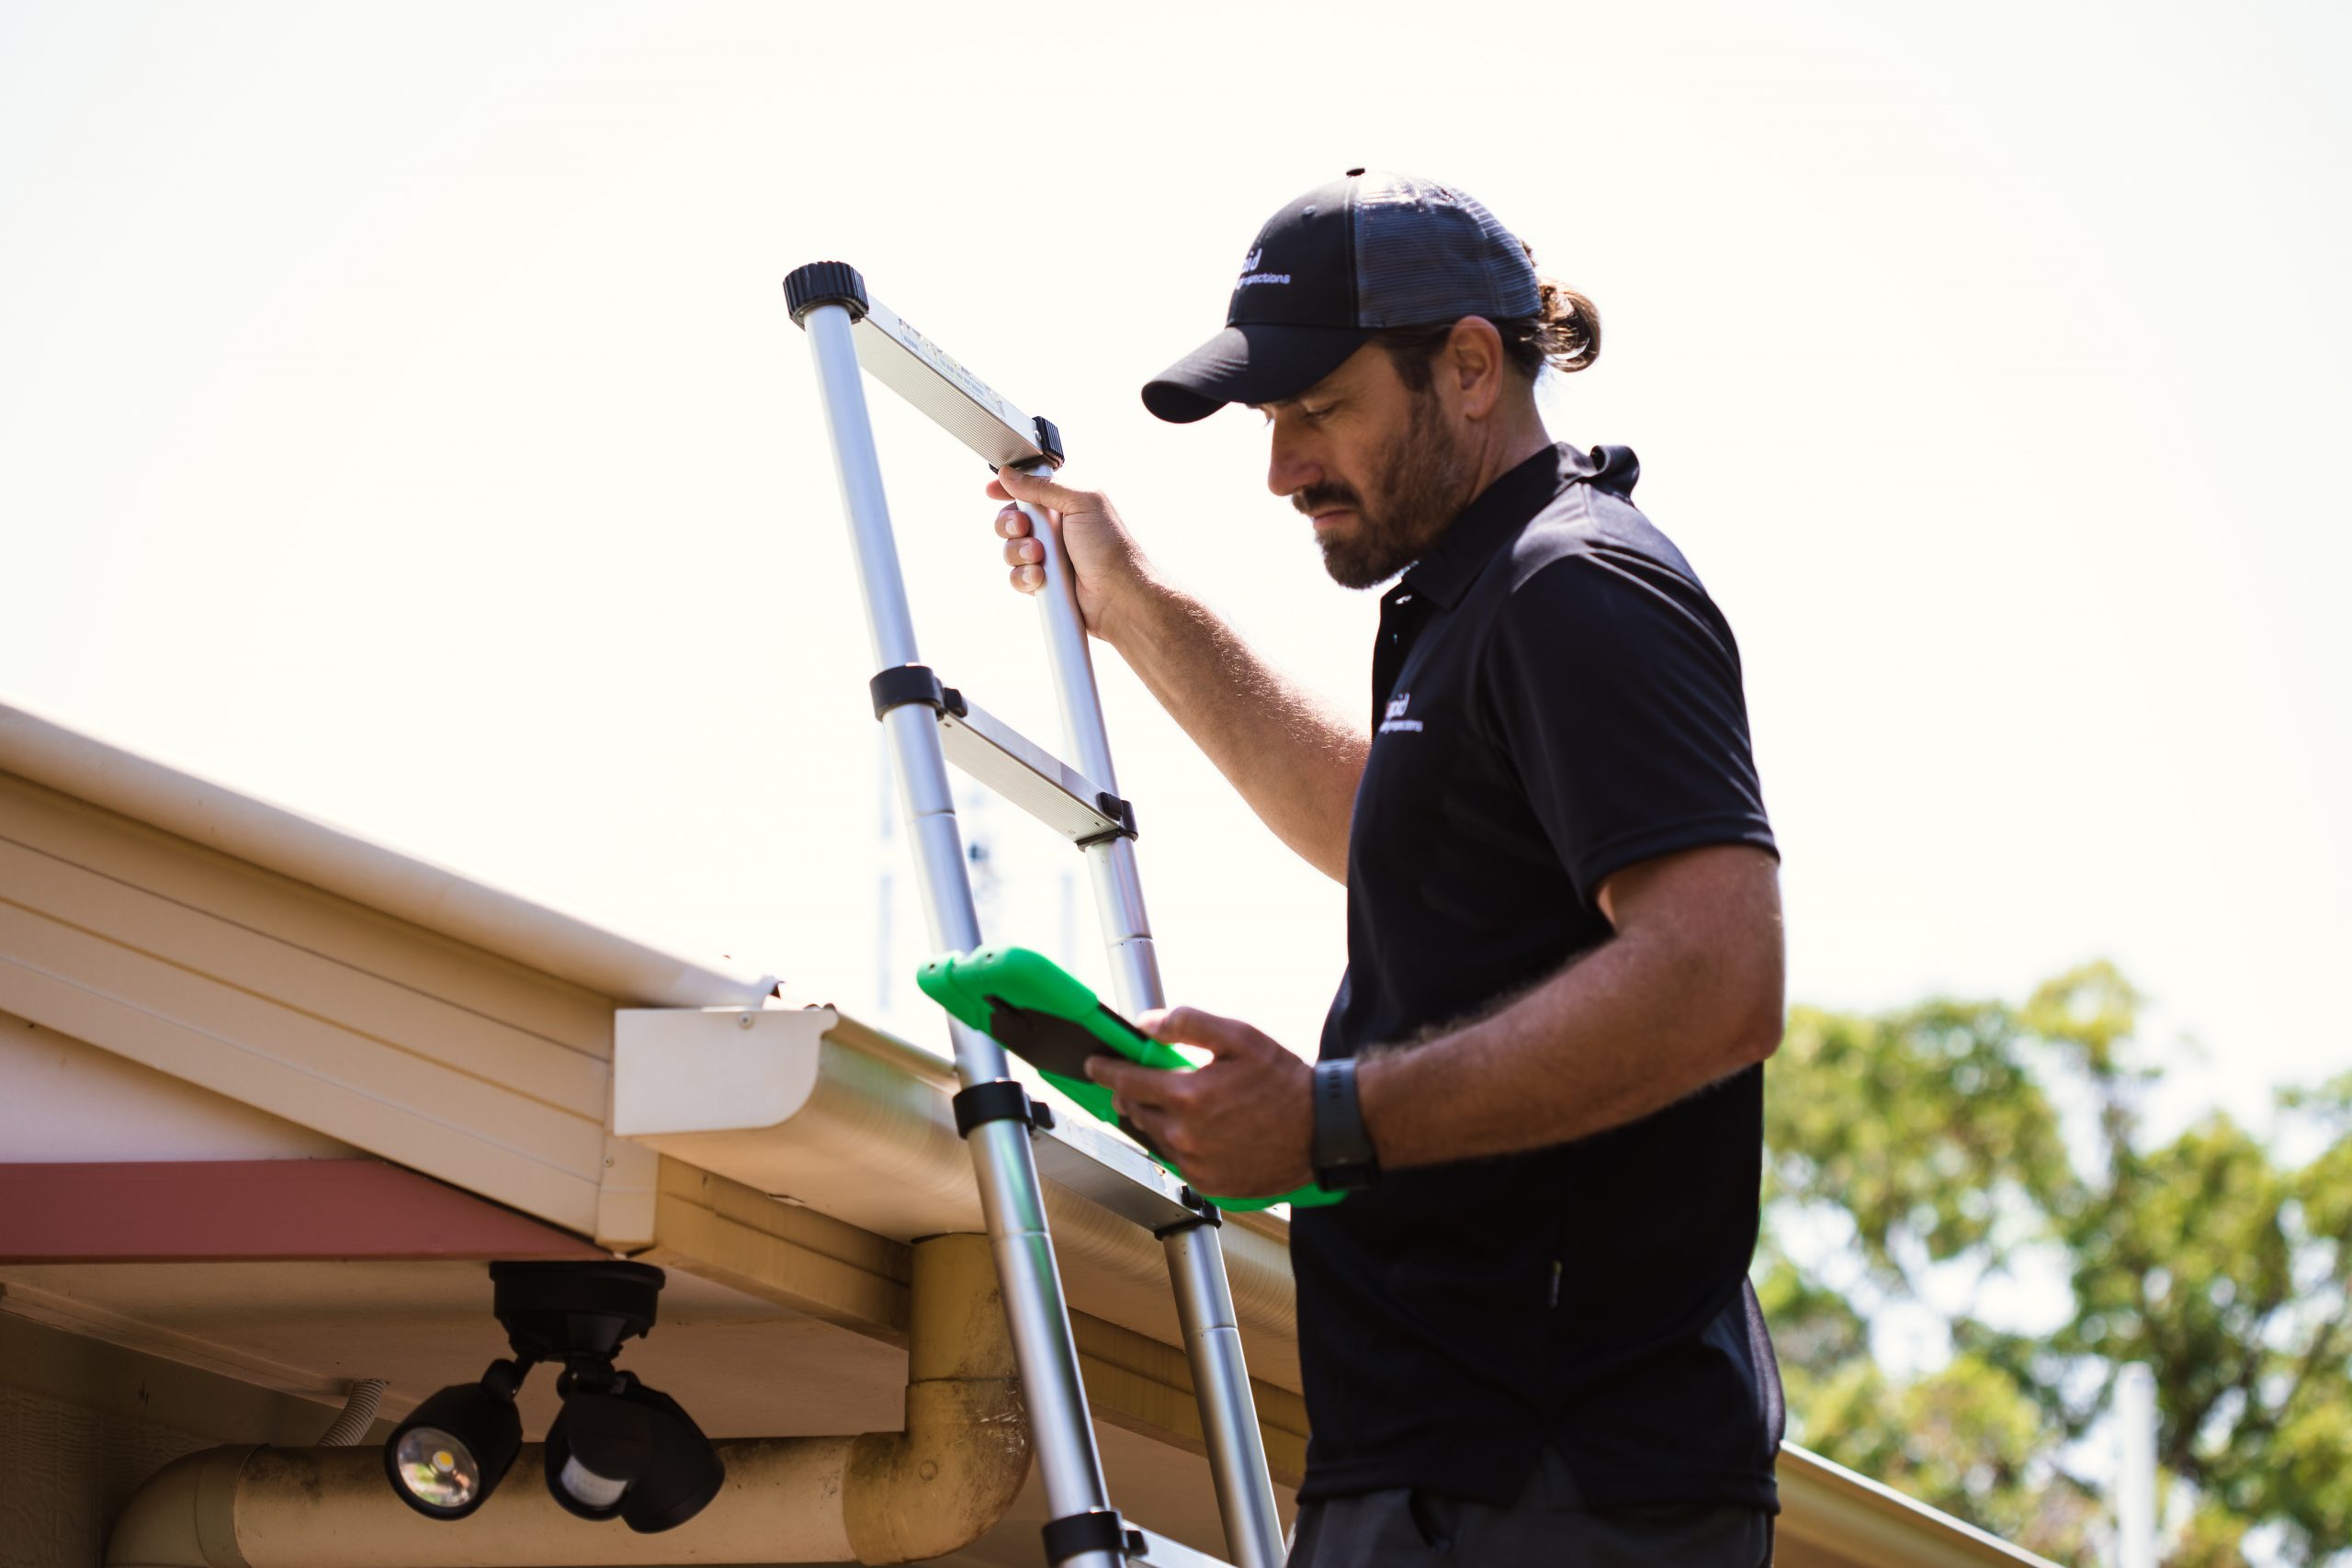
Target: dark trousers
(1548, 1526)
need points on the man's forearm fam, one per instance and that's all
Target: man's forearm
(1650, 1017)
(1296, 764)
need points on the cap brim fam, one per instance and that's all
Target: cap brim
(1256, 362)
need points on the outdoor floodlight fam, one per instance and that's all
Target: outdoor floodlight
(619, 1449)
(455, 1447)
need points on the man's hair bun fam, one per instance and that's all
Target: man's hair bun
(1566, 333)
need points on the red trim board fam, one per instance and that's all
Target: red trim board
(254, 1211)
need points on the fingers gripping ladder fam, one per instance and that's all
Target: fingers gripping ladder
(927, 725)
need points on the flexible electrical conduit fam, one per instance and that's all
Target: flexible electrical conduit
(358, 1415)
(881, 1497)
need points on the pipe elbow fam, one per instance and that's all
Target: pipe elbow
(184, 1517)
(942, 1483)
(939, 1486)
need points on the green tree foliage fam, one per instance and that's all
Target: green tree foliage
(1928, 1160)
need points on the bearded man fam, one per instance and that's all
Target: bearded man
(1527, 1335)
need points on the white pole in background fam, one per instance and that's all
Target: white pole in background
(2135, 1482)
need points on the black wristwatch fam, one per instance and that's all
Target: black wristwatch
(1341, 1153)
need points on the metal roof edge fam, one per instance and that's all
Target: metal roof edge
(337, 860)
(1849, 1511)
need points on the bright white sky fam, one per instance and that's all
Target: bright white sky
(398, 419)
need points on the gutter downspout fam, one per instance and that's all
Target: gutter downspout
(884, 1497)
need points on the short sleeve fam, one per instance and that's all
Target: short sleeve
(1613, 684)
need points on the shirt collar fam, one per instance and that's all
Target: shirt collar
(1497, 513)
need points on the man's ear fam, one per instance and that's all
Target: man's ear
(1473, 361)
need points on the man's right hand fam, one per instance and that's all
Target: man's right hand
(1296, 765)
(1109, 567)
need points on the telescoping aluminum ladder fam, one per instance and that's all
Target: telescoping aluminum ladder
(929, 724)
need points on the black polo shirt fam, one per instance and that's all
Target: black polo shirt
(1554, 698)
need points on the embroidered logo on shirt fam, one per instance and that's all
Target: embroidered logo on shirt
(1395, 719)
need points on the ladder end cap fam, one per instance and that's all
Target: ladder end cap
(825, 283)
(1049, 441)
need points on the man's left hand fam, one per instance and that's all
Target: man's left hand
(1242, 1126)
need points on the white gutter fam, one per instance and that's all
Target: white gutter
(341, 862)
(814, 1107)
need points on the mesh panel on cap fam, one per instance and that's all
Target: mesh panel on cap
(1425, 253)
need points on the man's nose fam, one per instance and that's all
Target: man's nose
(1291, 466)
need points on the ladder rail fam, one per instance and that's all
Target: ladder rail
(1011, 1197)
(1237, 1448)
(1068, 655)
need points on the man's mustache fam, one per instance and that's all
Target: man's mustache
(1325, 498)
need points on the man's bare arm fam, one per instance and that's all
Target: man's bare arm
(1688, 991)
(1293, 761)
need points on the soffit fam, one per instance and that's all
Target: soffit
(741, 1365)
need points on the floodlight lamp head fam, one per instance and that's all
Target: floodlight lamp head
(451, 1454)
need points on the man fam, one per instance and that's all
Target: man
(1527, 1336)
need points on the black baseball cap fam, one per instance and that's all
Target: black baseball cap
(1371, 249)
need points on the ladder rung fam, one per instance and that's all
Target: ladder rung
(1112, 1173)
(1026, 774)
(958, 402)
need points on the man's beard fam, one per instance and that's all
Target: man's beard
(1422, 486)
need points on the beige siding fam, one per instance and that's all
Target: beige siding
(365, 1028)
(62, 1102)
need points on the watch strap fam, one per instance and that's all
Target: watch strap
(1342, 1153)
